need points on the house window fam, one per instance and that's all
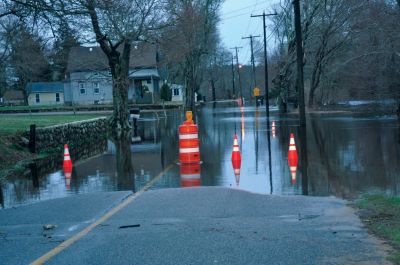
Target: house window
(37, 98)
(176, 91)
(148, 81)
(57, 97)
(82, 88)
(96, 89)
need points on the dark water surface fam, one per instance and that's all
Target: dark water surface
(347, 155)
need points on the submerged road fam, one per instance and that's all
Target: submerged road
(208, 225)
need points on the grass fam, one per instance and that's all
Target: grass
(12, 155)
(52, 107)
(10, 124)
(381, 214)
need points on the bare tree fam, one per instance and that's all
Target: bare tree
(350, 49)
(190, 39)
(115, 26)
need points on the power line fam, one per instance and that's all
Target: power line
(240, 9)
(263, 15)
(251, 37)
(236, 48)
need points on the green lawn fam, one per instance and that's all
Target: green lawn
(10, 124)
(382, 216)
(53, 107)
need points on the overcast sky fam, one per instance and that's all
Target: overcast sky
(236, 23)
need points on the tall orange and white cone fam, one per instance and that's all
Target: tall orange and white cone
(292, 154)
(236, 159)
(236, 151)
(293, 158)
(67, 165)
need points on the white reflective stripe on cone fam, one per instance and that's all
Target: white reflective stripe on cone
(67, 175)
(188, 150)
(188, 136)
(292, 141)
(190, 176)
(237, 171)
(293, 168)
(236, 149)
(292, 148)
(66, 158)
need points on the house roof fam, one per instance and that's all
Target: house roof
(13, 95)
(45, 87)
(144, 73)
(93, 59)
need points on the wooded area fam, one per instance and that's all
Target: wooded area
(351, 50)
(351, 47)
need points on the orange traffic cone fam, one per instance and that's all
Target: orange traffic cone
(293, 158)
(236, 151)
(67, 159)
(236, 159)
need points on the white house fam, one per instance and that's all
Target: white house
(89, 76)
(177, 92)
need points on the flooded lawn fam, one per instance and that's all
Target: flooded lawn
(347, 155)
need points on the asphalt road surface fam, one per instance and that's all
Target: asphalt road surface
(208, 225)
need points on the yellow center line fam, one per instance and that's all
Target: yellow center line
(104, 218)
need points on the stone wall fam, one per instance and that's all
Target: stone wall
(52, 139)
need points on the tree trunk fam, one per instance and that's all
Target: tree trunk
(190, 91)
(123, 155)
(119, 64)
(213, 92)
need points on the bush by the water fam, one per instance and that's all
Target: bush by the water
(165, 93)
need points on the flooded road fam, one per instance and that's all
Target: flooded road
(347, 155)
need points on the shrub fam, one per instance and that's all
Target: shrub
(165, 93)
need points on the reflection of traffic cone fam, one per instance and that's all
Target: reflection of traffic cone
(67, 174)
(292, 154)
(190, 175)
(273, 130)
(67, 159)
(236, 170)
(293, 173)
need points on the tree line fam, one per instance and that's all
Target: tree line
(36, 36)
(351, 50)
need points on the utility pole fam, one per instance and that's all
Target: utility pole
(252, 57)
(300, 86)
(265, 60)
(233, 78)
(238, 70)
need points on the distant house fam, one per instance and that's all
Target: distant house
(45, 93)
(13, 97)
(89, 77)
(177, 93)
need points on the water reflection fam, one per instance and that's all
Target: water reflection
(190, 175)
(1, 196)
(347, 155)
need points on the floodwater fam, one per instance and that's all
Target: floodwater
(347, 155)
